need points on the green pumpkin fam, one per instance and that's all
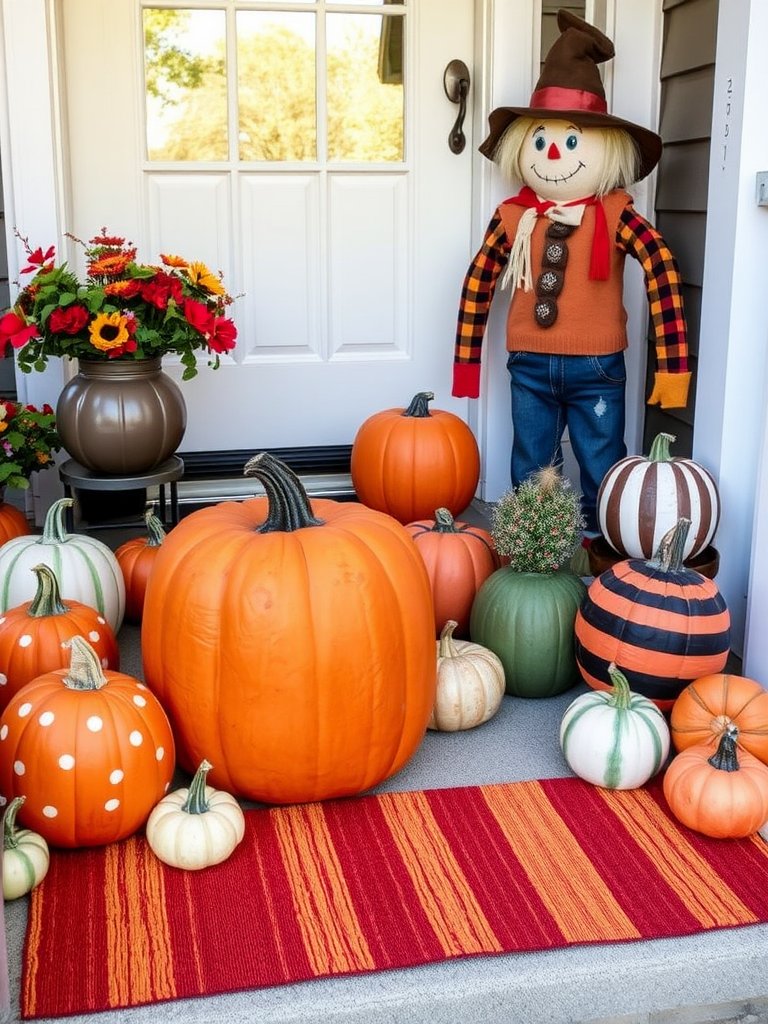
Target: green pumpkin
(526, 619)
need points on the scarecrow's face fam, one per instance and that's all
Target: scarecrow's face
(561, 161)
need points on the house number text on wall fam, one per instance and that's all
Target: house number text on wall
(727, 122)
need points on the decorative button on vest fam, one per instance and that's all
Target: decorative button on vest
(545, 312)
(550, 283)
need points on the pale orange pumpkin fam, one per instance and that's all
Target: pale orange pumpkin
(13, 522)
(33, 635)
(91, 749)
(708, 705)
(718, 790)
(459, 558)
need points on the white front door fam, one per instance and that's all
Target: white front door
(254, 153)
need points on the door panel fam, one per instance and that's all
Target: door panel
(347, 271)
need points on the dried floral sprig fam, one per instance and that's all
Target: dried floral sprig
(538, 524)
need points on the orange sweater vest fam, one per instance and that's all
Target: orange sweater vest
(591, 319)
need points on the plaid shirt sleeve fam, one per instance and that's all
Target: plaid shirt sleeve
(663, 284)
(476, 295)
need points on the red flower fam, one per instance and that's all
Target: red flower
(15, 330)
(160, 289)
(39, 260)
(68, 320)
(129, 346)
(199, 316)
(222, 337)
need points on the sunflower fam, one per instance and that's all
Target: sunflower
(109, 331)
(200, 275)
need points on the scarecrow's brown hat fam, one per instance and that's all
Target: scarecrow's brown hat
(570, 88)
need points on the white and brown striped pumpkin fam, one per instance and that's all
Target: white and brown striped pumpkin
(641, 499)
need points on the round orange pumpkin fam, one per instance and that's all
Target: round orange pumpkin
(717, 789)
(291, 643)
(408, 462)
(136, 558)
(459, 558)
(13, 522)
(708, 705)
(90, 749)
(33, 635)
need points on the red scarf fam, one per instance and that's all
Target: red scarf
(599, 261)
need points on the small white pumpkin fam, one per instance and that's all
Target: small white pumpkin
(195, 827)
(87, 570)
(25, 855)
(616, 739)
(470, 683)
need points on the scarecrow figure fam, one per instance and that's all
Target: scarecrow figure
(560, 243)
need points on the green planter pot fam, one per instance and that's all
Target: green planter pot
(527, 619)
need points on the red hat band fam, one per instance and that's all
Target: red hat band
(555, 97)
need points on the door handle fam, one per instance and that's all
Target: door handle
(456, 84)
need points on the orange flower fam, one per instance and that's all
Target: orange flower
(108, 331)
(174, 261)
(111, 264)
(123, 289)
(200, 275)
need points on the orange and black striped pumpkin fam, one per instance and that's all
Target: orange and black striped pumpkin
(662, 624)
(640, 499)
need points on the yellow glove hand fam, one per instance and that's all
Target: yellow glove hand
(670, 390)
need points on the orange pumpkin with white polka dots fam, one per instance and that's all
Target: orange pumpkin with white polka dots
(90, 748)
(33, 634)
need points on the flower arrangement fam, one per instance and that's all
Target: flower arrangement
(121, 310)
(538, 524)
(28, 440)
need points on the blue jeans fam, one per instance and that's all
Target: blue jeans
(583, 393)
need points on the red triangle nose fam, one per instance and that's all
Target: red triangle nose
(553, 153)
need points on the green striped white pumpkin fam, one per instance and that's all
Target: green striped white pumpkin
(25, 855)
(86, 569)
(616, 739)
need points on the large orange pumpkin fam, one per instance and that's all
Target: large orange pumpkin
(136, 557)
(408, 462)
(459, 558)
(291, 643)
(708, 705)
(33, 635)
(90, 749)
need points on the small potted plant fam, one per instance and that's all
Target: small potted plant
(121, 413)
(28, 439)
(525, 611)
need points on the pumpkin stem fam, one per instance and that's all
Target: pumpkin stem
(444, 522)
(725, 758)
(621, 697)
(660, 448)
(10, 838)
(47, 600)
(669, 554)
(289, 506)
(447, 646)
(155, 531)
(196, 802)
(54, 531)
(85, 671)
(419, 406)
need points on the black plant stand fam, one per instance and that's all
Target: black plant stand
(76, 477)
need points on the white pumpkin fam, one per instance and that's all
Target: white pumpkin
(641, 499)
(87, 570)
(616, 739)
(195, 827)
(470, 683)
(25, 855)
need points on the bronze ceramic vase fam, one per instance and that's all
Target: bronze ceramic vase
(122, 417)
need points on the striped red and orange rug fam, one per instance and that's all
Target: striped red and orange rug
(380, 882)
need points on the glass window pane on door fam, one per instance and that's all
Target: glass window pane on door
(185, 84)
(365, 87)
(276, 76)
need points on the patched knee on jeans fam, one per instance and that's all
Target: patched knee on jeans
(601, 407)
